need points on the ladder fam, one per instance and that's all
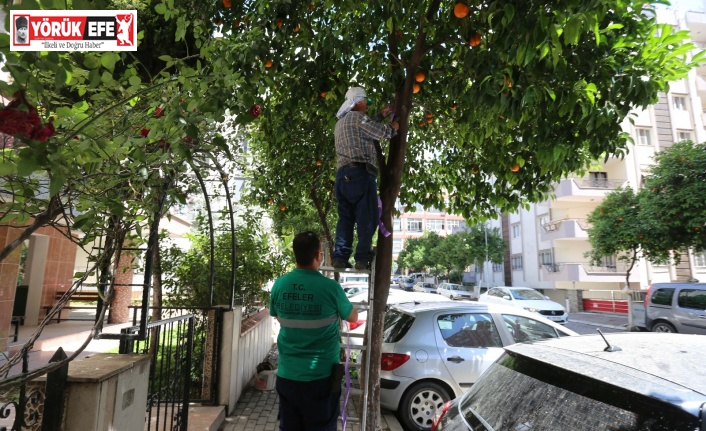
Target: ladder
(362, 414)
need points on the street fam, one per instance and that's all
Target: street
(585, 329)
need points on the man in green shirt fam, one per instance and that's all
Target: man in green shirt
(308, 306)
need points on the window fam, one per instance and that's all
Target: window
(435, 225)
(524, 329)
(469, 330)
(692, 298)
(543, 219)
(516, 230)
(396, 245)
(434, 210)
(683, 136)
(497, 267)
(700, 258)
(679, 103)
(644, 137)
(453, 224)
(517, 262)
(414, 225)
(545, 257)
(396, 225)
(598, 179)
(663, 296)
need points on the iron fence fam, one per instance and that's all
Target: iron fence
(170, 343)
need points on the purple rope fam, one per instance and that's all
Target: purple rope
(344, 415)
(383, 229)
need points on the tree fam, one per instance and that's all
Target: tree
(518, 92)
(617, 228)
(672, 206)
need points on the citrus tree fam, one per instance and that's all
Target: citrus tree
(495, 99)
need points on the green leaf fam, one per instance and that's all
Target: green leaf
(161, 8)
(108, 60)
(91, 61)
(134, 80)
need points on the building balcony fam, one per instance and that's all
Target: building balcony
(585, 272)
(565, 229)
(585, 189)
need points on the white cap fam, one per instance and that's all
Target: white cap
(353, 96)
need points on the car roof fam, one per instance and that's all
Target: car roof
(674, 360)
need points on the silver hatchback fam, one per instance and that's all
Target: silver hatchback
(433, 352)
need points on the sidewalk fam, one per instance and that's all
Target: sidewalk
(604, 320)
(257, 411)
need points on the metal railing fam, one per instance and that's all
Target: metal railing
(23, 401)
(554, 224)
(599, 183)
(170, 343)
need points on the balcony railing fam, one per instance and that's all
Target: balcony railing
(584, 271)
(598, 183)
(554, 224)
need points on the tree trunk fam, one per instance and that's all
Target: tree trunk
(157, 285)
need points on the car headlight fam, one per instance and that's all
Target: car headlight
(532, 310)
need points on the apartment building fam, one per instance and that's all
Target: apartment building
(547, 242)
(413, 222)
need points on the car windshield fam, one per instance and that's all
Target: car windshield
(527, 295)
(518, 393)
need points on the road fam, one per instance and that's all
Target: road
(589, 329)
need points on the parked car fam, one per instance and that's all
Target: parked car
(354, 289)
(432, 352)
(406, 283)
(527, 298)
(581, 383)
(454, 291)
(360, 300)
(394, 279)
(676, 307)
(421, 286)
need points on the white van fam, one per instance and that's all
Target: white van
(354, 278)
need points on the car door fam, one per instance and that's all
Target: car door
(690, 312)
(468, 343)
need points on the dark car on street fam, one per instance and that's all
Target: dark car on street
(628, 382)
(406, 283)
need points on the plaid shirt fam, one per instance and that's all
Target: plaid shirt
(355, 133)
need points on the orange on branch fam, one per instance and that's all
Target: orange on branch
(318, 163)
(475, 40)
(226, 3)
(461, 10)
(323, 94)
(515, 168)
(269, 201)
(296, 29)
(279, 23)
(508, 82)
(420, 76)
(282, 208)
(429, 120)
(416, 88)
(268, 64)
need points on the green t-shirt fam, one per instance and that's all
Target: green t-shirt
(305, 302)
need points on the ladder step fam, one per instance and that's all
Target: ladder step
(345, 270)
(352, 335)
(351, 419)
(353, 346)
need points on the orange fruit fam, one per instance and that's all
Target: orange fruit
(226, 3)
(236, 22)
(475, 169)
(461, 10)
(429, 120)
(296, 29)
(515, 168)
(416, 88)
(282, 208)
(323, 94)
(475, 40)
(419, 77)
(318, 163)
(268, 64)
(279, 23)
(455, 107)
(269, 201)
(508, 82)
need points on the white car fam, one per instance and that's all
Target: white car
(421, 286)
(433, 352)
(454, 291)
(396, 296)
(527, 298)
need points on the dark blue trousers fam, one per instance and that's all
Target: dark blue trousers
(307, 406)
(356, 192)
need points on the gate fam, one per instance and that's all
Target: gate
(170, 343)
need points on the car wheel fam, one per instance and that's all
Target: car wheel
(420, 404)
(663, 327)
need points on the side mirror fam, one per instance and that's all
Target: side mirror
(506, 297)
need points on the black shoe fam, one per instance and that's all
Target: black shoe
(340, 263)
(362, 265)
